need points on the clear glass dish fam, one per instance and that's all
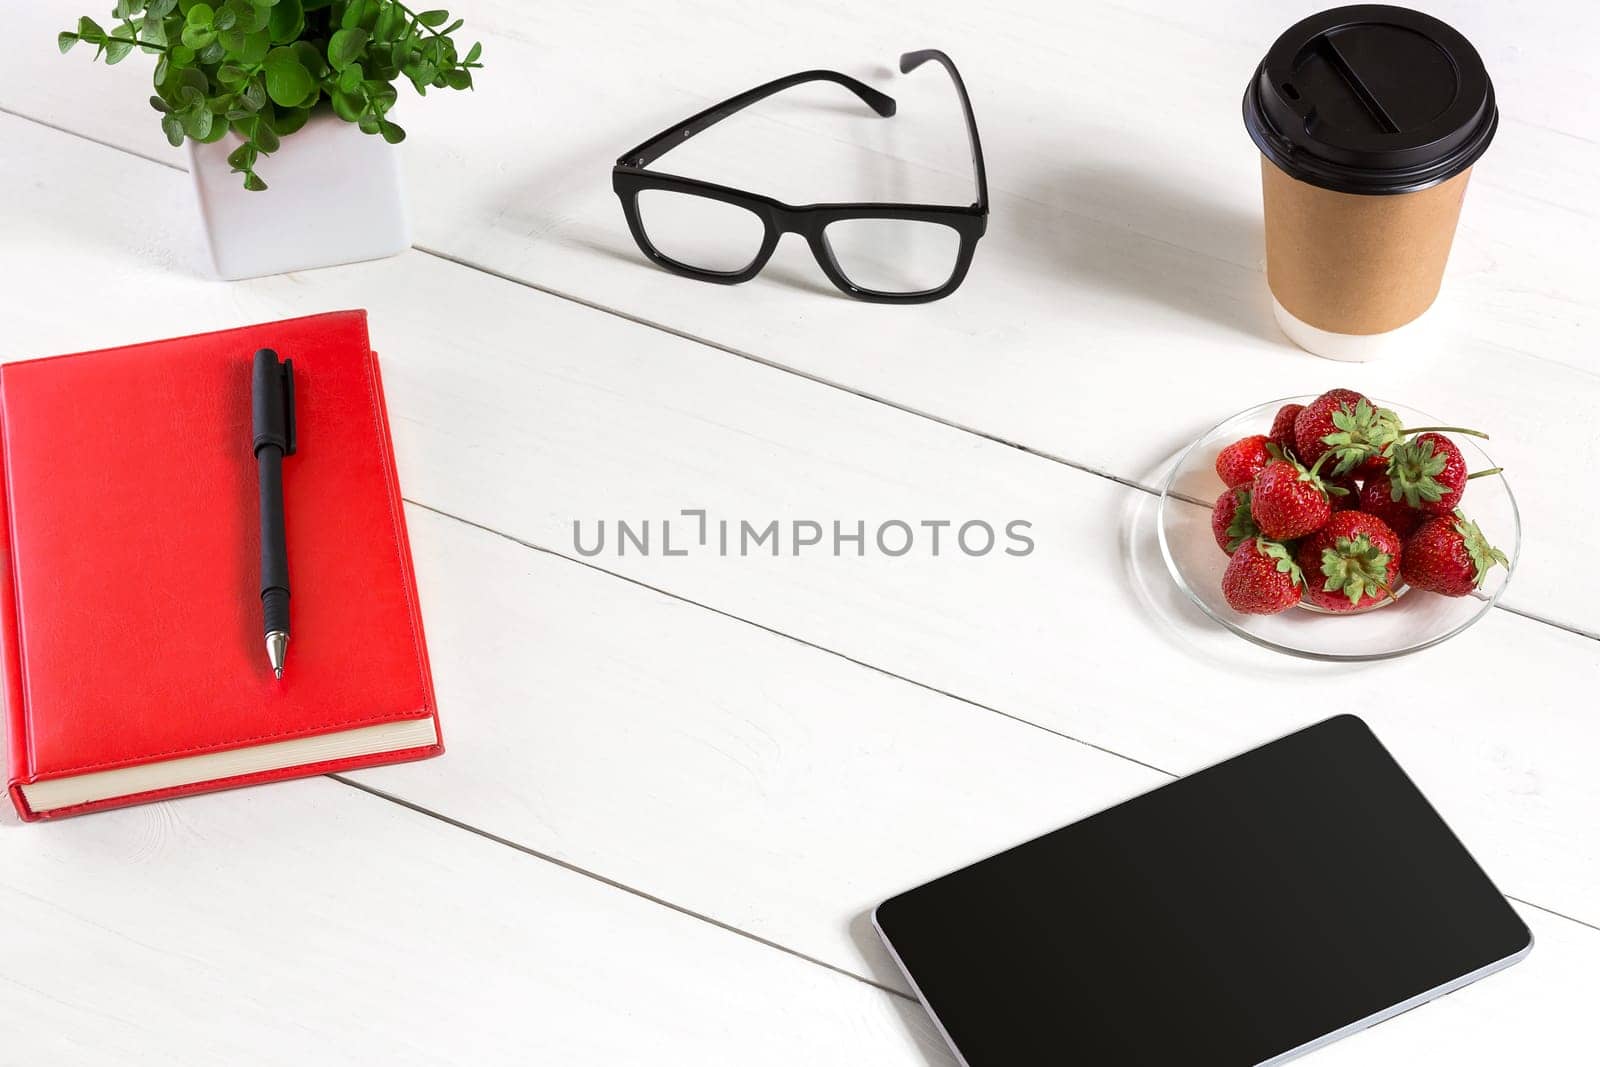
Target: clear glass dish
(1414, 621)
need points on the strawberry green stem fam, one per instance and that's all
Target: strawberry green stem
(1484, 474)
(1444, 429)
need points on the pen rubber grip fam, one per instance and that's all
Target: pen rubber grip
(275, 611)
(274, 550)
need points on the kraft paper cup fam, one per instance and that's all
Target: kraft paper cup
(1369, 119)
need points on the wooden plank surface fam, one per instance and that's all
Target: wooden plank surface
(1122, 198)
(746, 752)
(584, 416)
(312, 923)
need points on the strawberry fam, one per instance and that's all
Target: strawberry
(1363, 437)
(1240, 462)
(1343, 501)
(1449, 555)
(1231, 523)
(1262, 578)
(1289, 501)
(1378, 499)
(1357, 559)
(1428, 472)
(1282, 432)
(1347, 423)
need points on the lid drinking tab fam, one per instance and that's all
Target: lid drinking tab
(1371, 99)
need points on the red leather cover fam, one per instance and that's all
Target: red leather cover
(129, 582)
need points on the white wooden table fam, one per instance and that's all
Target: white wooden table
(675, 786)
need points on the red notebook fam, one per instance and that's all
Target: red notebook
(131, 648)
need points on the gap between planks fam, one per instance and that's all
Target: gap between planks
(577, 869)
(1039, 453)
(827, 383)
(605, 309)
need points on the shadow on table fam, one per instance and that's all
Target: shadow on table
(781, 269)
(1172, 617)
(1092, 225)
(917, 1021)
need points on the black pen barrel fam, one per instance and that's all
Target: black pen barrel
(274, 551)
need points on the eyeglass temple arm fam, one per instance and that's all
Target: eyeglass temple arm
(667, 140)
(910, 62)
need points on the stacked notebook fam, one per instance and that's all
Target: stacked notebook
(131, 661)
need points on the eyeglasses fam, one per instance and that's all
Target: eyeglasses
(886, 253)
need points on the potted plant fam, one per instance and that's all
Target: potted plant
(291, 96)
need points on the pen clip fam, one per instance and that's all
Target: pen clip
(272, 413)
(288, 406)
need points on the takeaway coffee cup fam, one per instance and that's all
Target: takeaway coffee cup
(1369, 119)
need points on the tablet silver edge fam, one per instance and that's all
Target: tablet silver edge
(1294, 1053)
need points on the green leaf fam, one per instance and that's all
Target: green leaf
(1355, 567)
(391, 20)
(369, 122)
(354, 13)
(391, 132)
(311, 58)
(231, 76)
(1242, 527)
(266, 137)
(90, 30)
(65, 41)
(159, 9)
(254, 184)
(287, 19)
(126, 9)
(201, 14)
(197, 123)
(1283, 559)
(351, 77)
(117, 51)
(1484, 555)
(181, 55)
(288, 81)
(243, 157)
(345, 46)
(348, 106)
(254, 16)
(173, 128)
(255, 48)
(433, 18)
(458, 79)
(290, 120)
(153, 34)
(218, 131)
(226, 19)
(473, 53)
(160, 105)
(198, 37)
(254, 96)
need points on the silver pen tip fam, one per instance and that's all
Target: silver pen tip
(277, 646)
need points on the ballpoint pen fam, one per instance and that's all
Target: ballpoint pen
(272, 438)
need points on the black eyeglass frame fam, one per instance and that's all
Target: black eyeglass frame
(629, 177)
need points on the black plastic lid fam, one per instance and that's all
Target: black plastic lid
(1371, 99)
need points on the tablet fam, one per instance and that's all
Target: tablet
(1239, 917)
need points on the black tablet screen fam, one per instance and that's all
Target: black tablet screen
(1224, 919)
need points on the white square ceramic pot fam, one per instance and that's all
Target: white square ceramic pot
(333, 196)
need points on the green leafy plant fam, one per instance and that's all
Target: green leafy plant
(259, 67)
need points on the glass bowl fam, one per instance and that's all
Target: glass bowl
(1414, 620)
